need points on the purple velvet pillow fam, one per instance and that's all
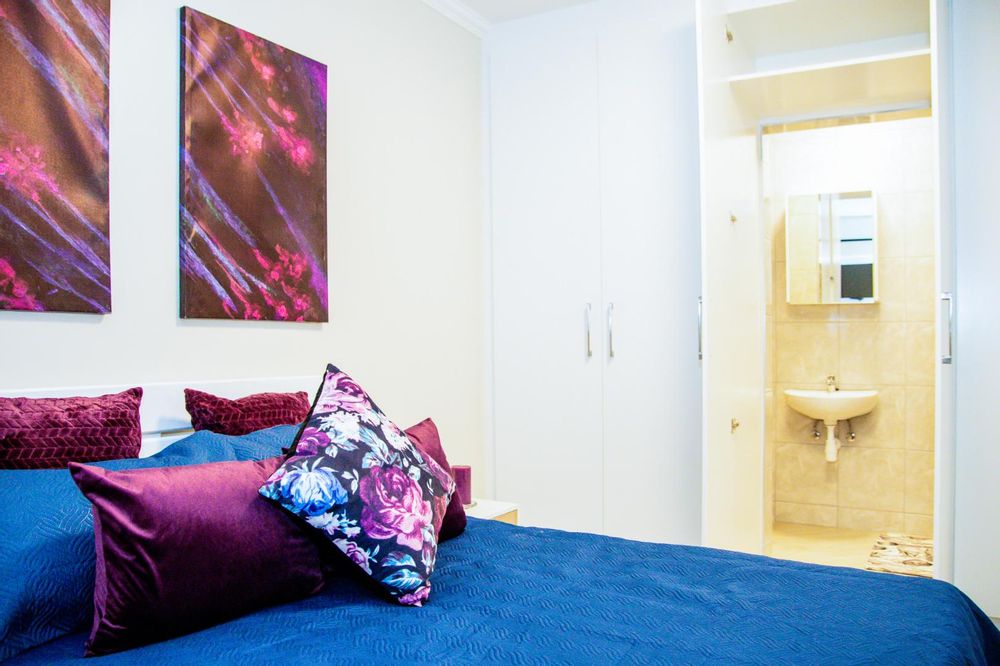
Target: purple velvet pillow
(427, 439)
(247, 414)
(358, 479)
(181, 548)
(47, 433)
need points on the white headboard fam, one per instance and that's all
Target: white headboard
(164, 418)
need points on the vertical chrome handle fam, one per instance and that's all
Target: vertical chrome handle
(701, 313)
(590, 346)
(611, 330)
(949, 355)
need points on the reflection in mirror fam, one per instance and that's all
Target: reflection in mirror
(831, 244)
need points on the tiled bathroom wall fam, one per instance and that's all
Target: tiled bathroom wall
(885, 479)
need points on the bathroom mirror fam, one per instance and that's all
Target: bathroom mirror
(831, 245)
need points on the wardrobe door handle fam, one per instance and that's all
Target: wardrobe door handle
(590, 346)
(701, 314)
(611, 330)
(949, 355)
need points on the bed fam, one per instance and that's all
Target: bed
(522, 595)
(560, 597)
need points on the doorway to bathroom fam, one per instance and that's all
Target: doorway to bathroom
(826, 225)
(848, 212)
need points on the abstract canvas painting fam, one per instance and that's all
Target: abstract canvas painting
(54, 243)
(253, 177)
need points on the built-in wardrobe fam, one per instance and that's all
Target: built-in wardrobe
(594, 186)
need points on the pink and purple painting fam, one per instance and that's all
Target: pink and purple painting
(54, 245)
(253, 177)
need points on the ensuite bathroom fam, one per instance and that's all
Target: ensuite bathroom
(821, 189)
(849, 429)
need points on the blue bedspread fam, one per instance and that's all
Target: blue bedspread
(515, 595)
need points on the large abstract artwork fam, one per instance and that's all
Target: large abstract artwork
(253, 177)
(54, 243)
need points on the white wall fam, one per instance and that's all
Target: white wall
(405, 220)
(977, 144)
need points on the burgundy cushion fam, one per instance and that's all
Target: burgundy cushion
(45, 433)
(427, 439)
(181, 548)
(253, 412)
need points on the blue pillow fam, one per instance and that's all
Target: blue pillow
(263, 444)
(47, 544)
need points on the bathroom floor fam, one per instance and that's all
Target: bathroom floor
(822, 545)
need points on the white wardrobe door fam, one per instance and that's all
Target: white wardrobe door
(977, 358)
(546, 240)
(649, 175)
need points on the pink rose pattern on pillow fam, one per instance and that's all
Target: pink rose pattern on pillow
(355, 476)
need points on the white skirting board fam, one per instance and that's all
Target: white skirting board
(162, 412)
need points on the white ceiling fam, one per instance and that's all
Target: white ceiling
(495, 11)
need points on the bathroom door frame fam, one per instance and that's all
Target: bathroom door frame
(716, 529)
(944, 262)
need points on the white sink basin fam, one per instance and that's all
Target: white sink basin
(831, 406)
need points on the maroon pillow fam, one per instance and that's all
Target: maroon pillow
(427, 439)
(253, 412)
(46, 433)
(181, 548)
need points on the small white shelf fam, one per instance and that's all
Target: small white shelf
(867, 82)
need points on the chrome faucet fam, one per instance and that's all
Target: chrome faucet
(831, 383)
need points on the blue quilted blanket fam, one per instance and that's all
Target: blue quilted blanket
(516, 595)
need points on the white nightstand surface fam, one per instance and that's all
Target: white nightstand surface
(489, 509)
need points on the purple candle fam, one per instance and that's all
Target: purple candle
(463, 482)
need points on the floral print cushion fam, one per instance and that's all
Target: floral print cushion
(354, 475)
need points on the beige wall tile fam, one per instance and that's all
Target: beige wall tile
(919, 482)
(778, 238)
(917, 525)
(802, 475)
(891, 225)
(872, 353)
(866, 519)
(885, 426)
(918, 210)
(920, 418)
(918, 157)
(805, 352)
(871, 478)
(920, 357)
(920, 294)
(805, 514)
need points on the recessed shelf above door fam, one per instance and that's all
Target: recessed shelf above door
(830, 88)
(788, 58)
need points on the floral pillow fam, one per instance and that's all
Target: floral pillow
(354, 475)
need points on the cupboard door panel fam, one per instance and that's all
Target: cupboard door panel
(650, 225)
(546, 244)
(733, 288)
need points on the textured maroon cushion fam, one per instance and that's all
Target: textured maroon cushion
(427, 439)
(254, 412)
(181, 548)
(44, 433)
